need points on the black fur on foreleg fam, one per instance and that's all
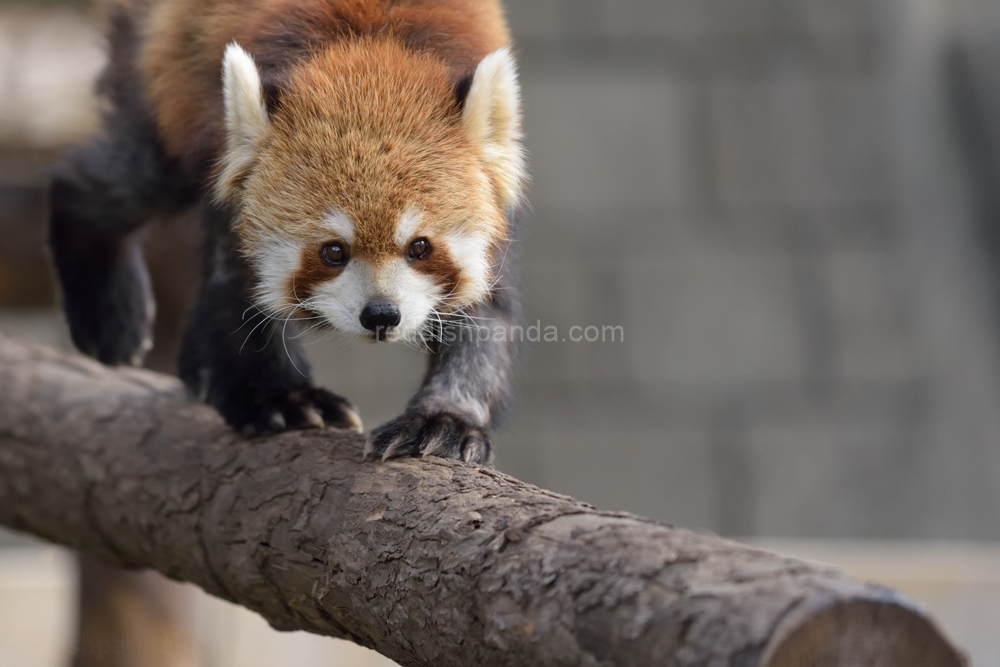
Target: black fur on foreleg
(252, 369)
(108, 301)
(254, 373)
(100, 196)
(106, 291)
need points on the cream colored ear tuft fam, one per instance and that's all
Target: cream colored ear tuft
(492, 117)
(246, 118)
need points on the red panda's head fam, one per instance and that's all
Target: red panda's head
(374, 195)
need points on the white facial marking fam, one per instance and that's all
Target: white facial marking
(342, 299)
(340, 224)
(409, 223)
(415, 293)
(276, 261)
(471, 253)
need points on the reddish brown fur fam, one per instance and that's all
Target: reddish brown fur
(312, 271)
(186, 40)
(441, 265)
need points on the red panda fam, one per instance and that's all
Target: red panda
(359, 166)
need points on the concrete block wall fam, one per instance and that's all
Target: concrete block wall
(731, 184)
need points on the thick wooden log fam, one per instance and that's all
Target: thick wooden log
(430, 562)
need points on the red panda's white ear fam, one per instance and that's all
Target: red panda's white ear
(492, 117)
(246, 118)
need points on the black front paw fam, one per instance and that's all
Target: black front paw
(439, 434)
(301, 408)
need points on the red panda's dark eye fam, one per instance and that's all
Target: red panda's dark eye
(334, 254)
(420, 249)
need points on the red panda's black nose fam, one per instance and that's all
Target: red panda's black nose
(380, 315)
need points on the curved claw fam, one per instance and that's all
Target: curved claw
(301, 408)
(442, 434)
(354, 422)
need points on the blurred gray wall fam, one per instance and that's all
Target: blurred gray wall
(769, 196)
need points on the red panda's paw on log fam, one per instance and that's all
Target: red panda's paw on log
(297, 409)
(440, 434)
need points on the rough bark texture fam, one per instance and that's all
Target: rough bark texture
(431, 562)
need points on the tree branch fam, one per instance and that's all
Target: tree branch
(430, 562)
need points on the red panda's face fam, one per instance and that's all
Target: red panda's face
(372, 199)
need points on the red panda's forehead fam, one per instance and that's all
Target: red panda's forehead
(375, 181)
(374, 131)
(373, 86)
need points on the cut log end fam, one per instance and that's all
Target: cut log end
(862, 633)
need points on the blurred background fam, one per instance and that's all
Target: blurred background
(790, 207)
